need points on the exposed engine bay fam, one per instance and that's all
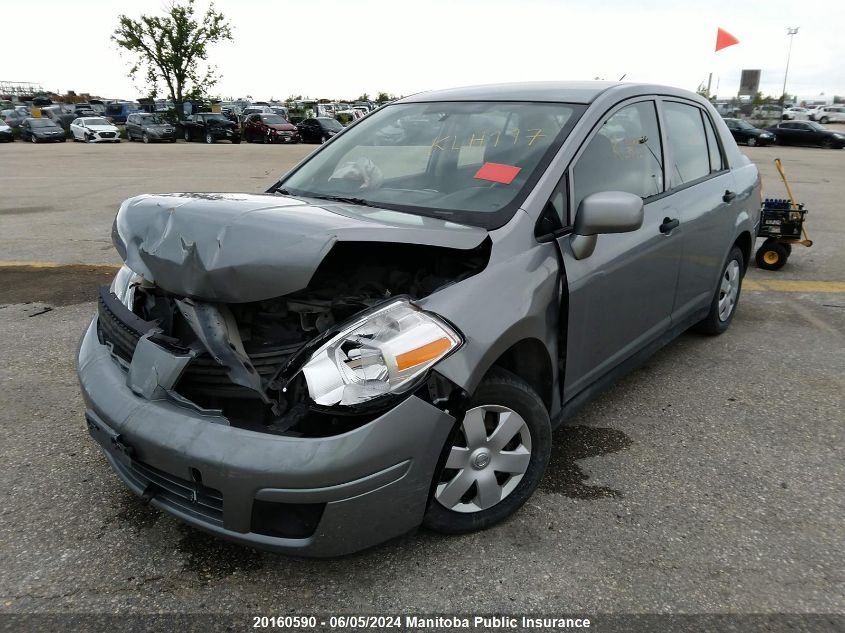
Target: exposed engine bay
(240, 352)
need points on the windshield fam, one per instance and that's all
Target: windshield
(96, 122)
(744, 125)
(273, 119)
(215, 117)
(472, 162)
(151, 118)
(42, 123)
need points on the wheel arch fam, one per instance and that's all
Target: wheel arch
(529, 359)
(745, 244)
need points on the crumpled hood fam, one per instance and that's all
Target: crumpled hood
(248, 247)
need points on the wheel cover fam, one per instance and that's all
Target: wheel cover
(771, 257)
(728, 290)
(487, 461)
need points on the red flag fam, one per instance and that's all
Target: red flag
(724, 39)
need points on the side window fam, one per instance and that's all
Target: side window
(624, 155)
(685, 132)
(716, 163)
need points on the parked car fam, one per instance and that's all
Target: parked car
(795, 113)
(829, 114)
(61, 115)
(94, 130)
(118, 111)
(12, 118)
(84, 109)
(210, 127)
(806, 133)
(269, 128)
(6, 132)
(744, 132)
(318, 130)
(41, 130)
(388, 336)
(149, 127)
(767, 111)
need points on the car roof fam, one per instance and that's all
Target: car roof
(545, 91)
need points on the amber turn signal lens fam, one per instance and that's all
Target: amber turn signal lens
(422, 354)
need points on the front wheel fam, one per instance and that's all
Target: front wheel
(209, 138)
(494, 458)
(824, 119)
(145, 138)
(751, 142)
(726, 297)
(33, 138)
(323, 139)
(828, 143)
(187, 136)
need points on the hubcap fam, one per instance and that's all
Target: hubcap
(487, 461)
(770, 257)
(728, 290)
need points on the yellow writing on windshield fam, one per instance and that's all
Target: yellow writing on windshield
(492, 139)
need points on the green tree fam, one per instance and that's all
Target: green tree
(383, 97)
(364, 97)
(172, 49)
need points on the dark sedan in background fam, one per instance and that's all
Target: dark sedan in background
(269, 128)
(807, 133)
(149, 127)
(744, 132)
(210, 127)
(41, 130)
(318, 130)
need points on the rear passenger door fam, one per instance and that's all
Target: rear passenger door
(620, 296)
(703, 193)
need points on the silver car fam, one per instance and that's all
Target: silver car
(389, 335)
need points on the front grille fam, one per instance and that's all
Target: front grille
(122, 329)
(107, 134)
(202, 502)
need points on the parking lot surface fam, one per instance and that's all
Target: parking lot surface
(709, 480)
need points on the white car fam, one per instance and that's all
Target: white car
(5, 132)
(796, 113)
(829, 114)
(94, 130)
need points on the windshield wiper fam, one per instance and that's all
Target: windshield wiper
(356, 201)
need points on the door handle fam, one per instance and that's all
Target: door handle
(669, 225)
(729, 195)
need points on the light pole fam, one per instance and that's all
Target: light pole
(790, 31)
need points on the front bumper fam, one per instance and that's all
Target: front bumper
(366, 486)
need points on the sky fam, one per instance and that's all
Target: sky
(340, 49)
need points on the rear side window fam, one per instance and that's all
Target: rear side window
(685, 131)
(716, 163)
(624, 155)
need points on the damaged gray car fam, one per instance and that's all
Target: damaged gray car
(388, 336)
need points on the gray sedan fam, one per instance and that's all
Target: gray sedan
(387, 336)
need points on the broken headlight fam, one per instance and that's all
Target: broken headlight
(123, 285)
(382, 352)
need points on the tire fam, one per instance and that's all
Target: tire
(173, 140)
(33, 138)
(209, 139)
(499, 398)
(236, 140)
(187, 136)
(726, 297)
(751, 142)
(323, 139)
(771, 255)
(828, 143)
(824, 119)
(145, 137)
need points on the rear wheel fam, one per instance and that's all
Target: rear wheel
(323, 139)
(726, 297)
(187, 136)
(824, 119)
(494, 458)
(209, 138)
(752, 141)
(772, 255)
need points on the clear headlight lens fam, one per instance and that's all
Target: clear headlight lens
(123, 285)
(383, 352)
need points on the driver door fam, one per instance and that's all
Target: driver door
(621, 295)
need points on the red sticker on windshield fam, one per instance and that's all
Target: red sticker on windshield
(498, 173)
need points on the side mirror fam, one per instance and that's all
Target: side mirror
(604, 212)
